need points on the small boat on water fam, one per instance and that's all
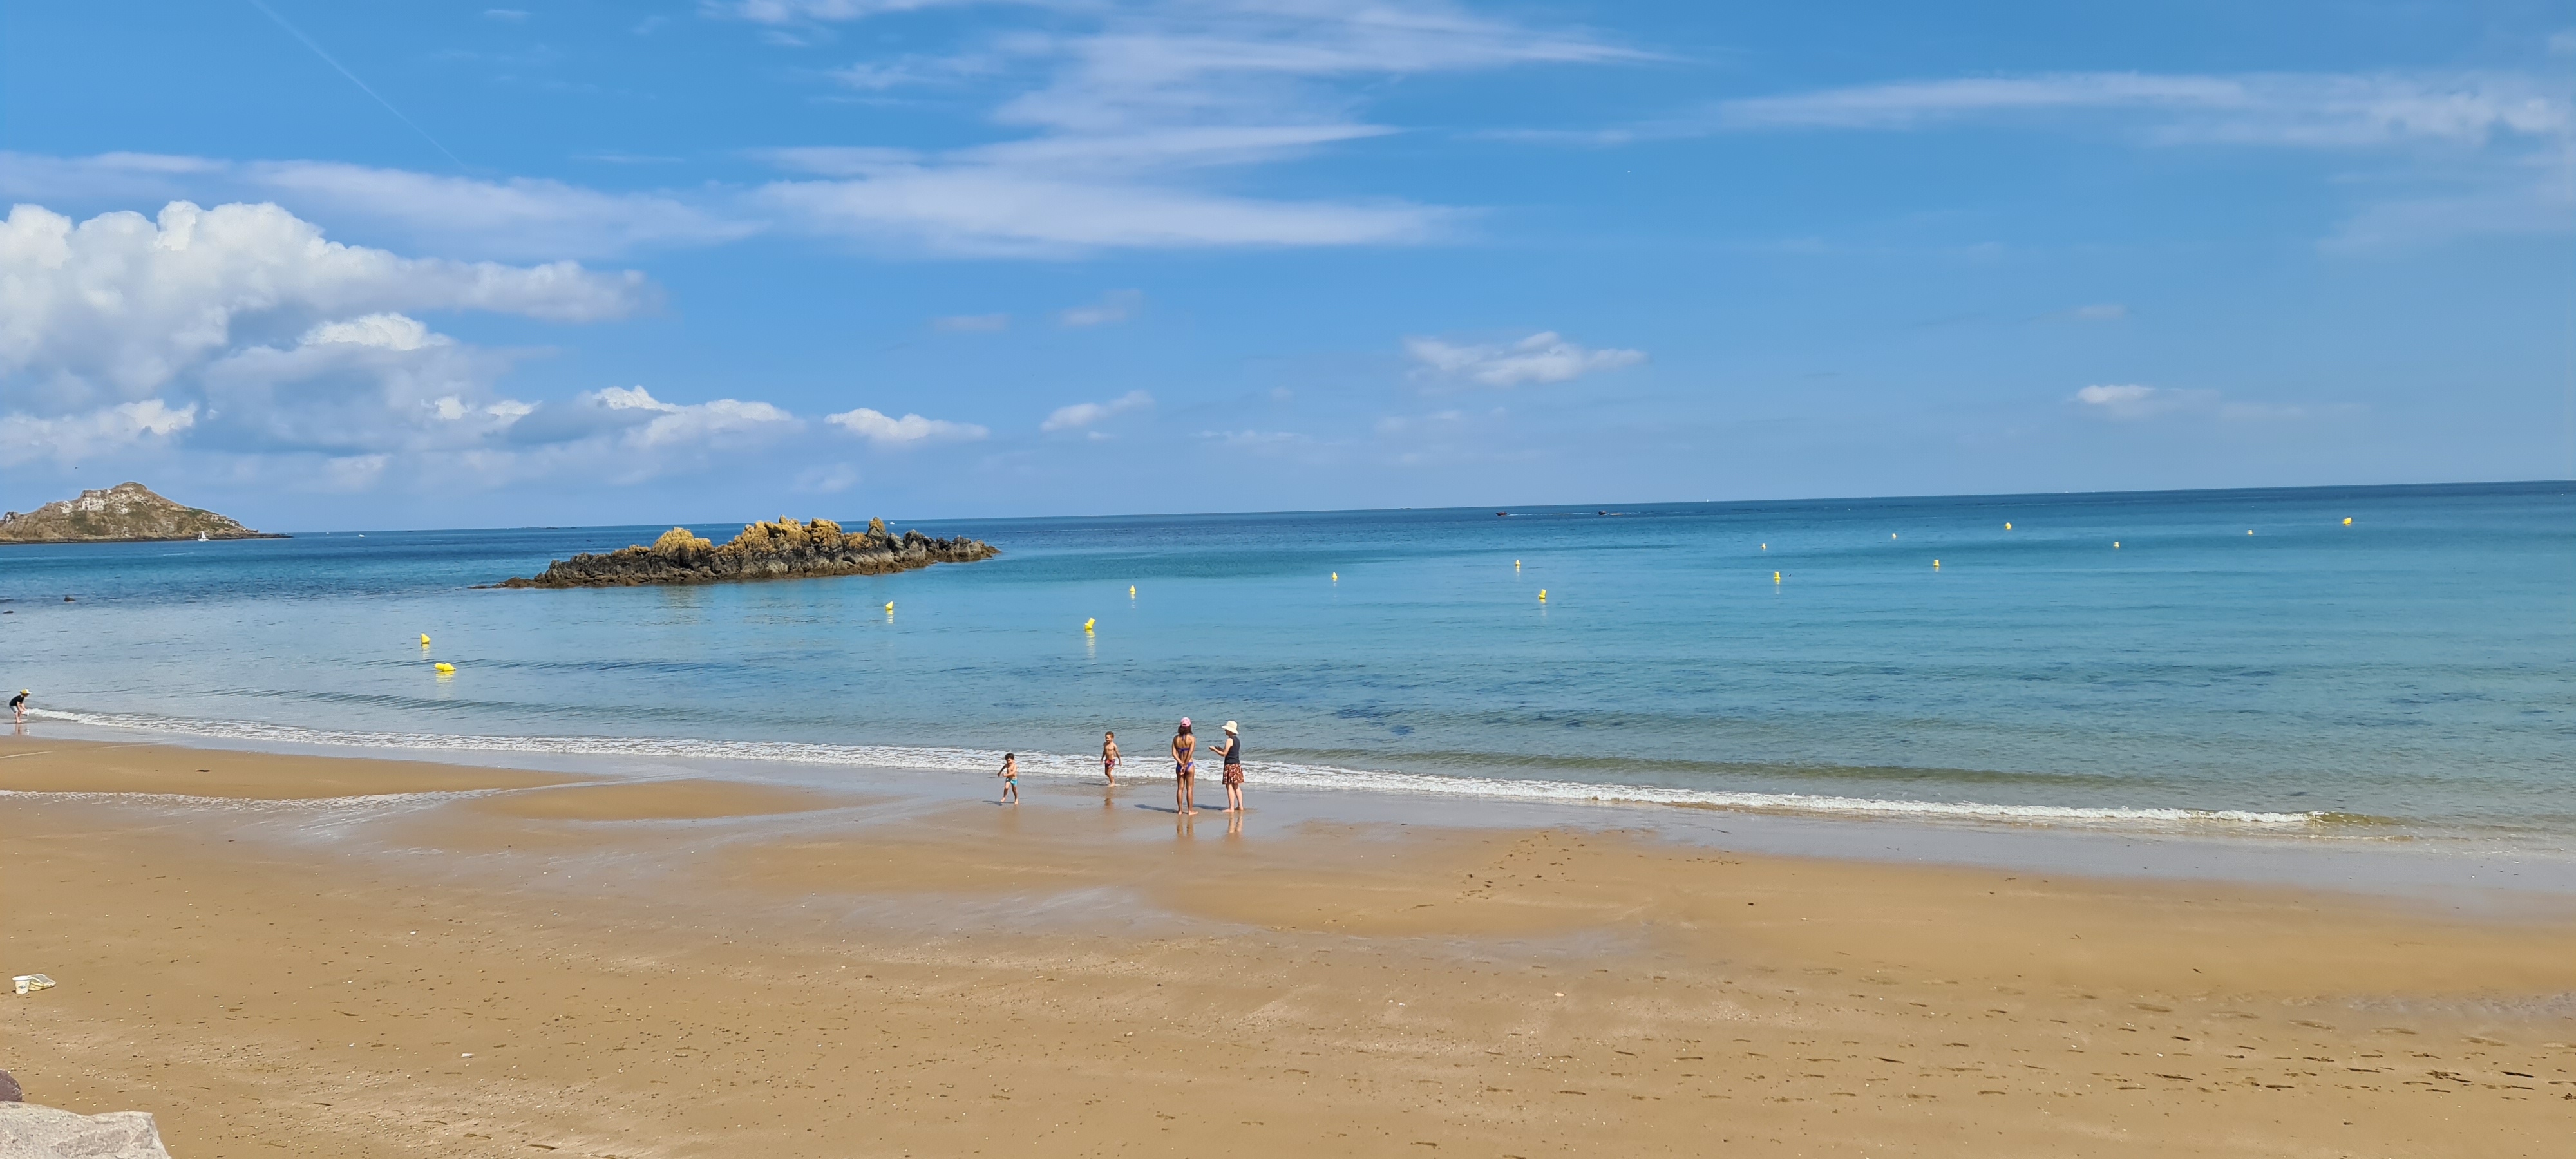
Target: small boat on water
(201, 537)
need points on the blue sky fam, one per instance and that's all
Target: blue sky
(434, 264)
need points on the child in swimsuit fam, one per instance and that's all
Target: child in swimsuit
(1010, 775)
(1184, 769)
(1109, 756)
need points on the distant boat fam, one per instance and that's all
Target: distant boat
(201, 537)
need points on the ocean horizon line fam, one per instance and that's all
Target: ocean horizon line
(2432, 488)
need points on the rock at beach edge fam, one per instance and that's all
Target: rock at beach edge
(31, 1130)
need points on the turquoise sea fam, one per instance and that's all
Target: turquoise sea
(2128, 661)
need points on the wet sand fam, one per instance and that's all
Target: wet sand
(700, 968)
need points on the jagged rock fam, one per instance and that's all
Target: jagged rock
(9, 1092)
(125, 512)
(785, 549)
(28, 1131)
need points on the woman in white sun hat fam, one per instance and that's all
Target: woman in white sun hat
(1232, 751)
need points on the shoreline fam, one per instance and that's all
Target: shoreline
(2358, 858)
(479, 961)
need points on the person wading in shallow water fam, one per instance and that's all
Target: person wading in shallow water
(1233, 753)
(18, 704)
(1185, 767)
(1109, 757)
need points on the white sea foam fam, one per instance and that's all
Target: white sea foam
(1265, 773)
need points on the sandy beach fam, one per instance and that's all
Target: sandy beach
(317, 956)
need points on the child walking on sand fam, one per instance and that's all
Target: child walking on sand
(1010, 775)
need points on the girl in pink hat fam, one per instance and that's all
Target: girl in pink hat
(1184, 767)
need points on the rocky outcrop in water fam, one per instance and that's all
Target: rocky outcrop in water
(785, 549)
(125, 512)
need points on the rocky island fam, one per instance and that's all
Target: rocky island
(785, 549)
(127, 512)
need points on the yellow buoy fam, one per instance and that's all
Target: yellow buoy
(1936, 565)
(1516, 564)
(444, 666)
(1766, 547)
(1337, 577)
(2249, 531)
(2007, 527)
(889, 605)
(1542, 595)
(2115, 543)
(1131, 591)
(2347, 521)
(424, 639)
(1891, 535)
(1775, 577)
(1086, 624)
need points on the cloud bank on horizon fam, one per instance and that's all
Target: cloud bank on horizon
(1268, 250)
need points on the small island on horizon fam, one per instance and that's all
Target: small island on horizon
(785, 549)
(126, 513)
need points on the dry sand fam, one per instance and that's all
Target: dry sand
(703, 969)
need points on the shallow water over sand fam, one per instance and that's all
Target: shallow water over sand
(2404, 675)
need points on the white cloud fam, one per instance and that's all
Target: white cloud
(1543, 357)
(1138, 120)
(387, 331)
(674, 423)
(511, 218)
(379, 383)
(298, 351)
(913, 69)
(73, 438)
(1004, 212)
(2449, 154)
(2130, 402)
(117, 307)
(1084, 414)
(2456, 154)
(1114, 306)
(517, 217)
(800, 11)
(972, 323)
(1135, 110)
(2308, 109)
(505, 15)
(887, 431)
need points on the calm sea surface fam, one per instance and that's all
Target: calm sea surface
(2413, 672)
